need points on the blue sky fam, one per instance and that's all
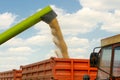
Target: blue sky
(20, 7)
(83, 23)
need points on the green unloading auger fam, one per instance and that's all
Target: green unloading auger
(47, 15)
(25, 24)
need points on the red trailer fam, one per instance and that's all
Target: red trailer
(58, 69)
(11, 75)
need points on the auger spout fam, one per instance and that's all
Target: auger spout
(23, 25)
(47, 15)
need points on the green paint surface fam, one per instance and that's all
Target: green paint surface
(23, 25)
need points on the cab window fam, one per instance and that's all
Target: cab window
(105, 62)
(116, 63)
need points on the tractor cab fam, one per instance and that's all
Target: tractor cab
(107, 60)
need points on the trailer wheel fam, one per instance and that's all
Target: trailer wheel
(86, 77)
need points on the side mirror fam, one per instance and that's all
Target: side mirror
(94, 59)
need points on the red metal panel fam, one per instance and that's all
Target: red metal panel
(59, 69)
(11, 75)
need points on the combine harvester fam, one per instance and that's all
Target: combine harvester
(61, 68)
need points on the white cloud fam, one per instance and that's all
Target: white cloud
(37, 40)
(77, 23)
(111, 22)
(13, 57)
(87, 19)
(81, 21)
(8, 63)
(50, 54)
(74, 42)
(43, 28)
(79, 53)
(101, 4)
(20, 50)
(15, 42)
(7, 67)
(78, 47)
(6, 19)
(84, 20)
(105, 12)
